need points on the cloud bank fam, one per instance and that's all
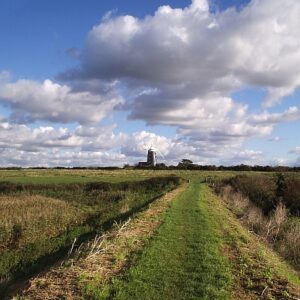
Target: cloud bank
(49, 101)
(179, 68)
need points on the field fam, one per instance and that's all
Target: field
(40, 220)
(113, 176)
(141, 234)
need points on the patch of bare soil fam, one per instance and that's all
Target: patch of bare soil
(107, 256)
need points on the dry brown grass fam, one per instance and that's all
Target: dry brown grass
(255, 219)
(235, 200)
(27, 218)
(259, 273)
(277, 229)
(276, 223)
(290, 244)
(269, 227)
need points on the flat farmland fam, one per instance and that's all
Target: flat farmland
(148, 234)
(71, 176)
(40, 219)
(82, 176)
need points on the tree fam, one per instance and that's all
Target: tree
(185, 163)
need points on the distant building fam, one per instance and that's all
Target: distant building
(143, 164)
(151, 159)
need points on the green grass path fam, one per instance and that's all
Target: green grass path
(183, 261)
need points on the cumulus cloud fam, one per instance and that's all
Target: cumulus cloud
(53, 158)
(291, 114)
(182, 65)
(31, 101)
(295, 151)
(169, 150)
(178, 67)
(82, 138)
(200, 52)
(21, 145)
(172, 150)
(248, 157)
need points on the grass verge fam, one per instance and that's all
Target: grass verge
(258, 272)
(183, 261)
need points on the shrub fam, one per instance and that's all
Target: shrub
(289, 246)
(278, 229)
(291, 195)
(261, 190)
(266, 192)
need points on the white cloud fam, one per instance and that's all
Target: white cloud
(200, 152)
(248, 157)
(31, 101)
(295, 151)
(283, 161)
(169, 150)
(289, 115)
(186, 63)
(275, 139)
(24, 138)
(202, 51)
(53, 158)
(21, 145)
(178, 68)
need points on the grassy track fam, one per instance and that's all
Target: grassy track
(183, 261)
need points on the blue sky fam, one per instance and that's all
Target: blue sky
(76, 88)
(36, 34)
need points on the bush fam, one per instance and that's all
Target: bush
(261, 190)
(289, 246)
(291, 195)
(267, 192)
(277, 228)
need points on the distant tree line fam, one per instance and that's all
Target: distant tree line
(184, 164)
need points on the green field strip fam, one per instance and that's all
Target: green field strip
(183, 261)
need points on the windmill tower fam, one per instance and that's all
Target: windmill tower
(151, 157)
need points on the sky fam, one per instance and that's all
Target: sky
(94, 83)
